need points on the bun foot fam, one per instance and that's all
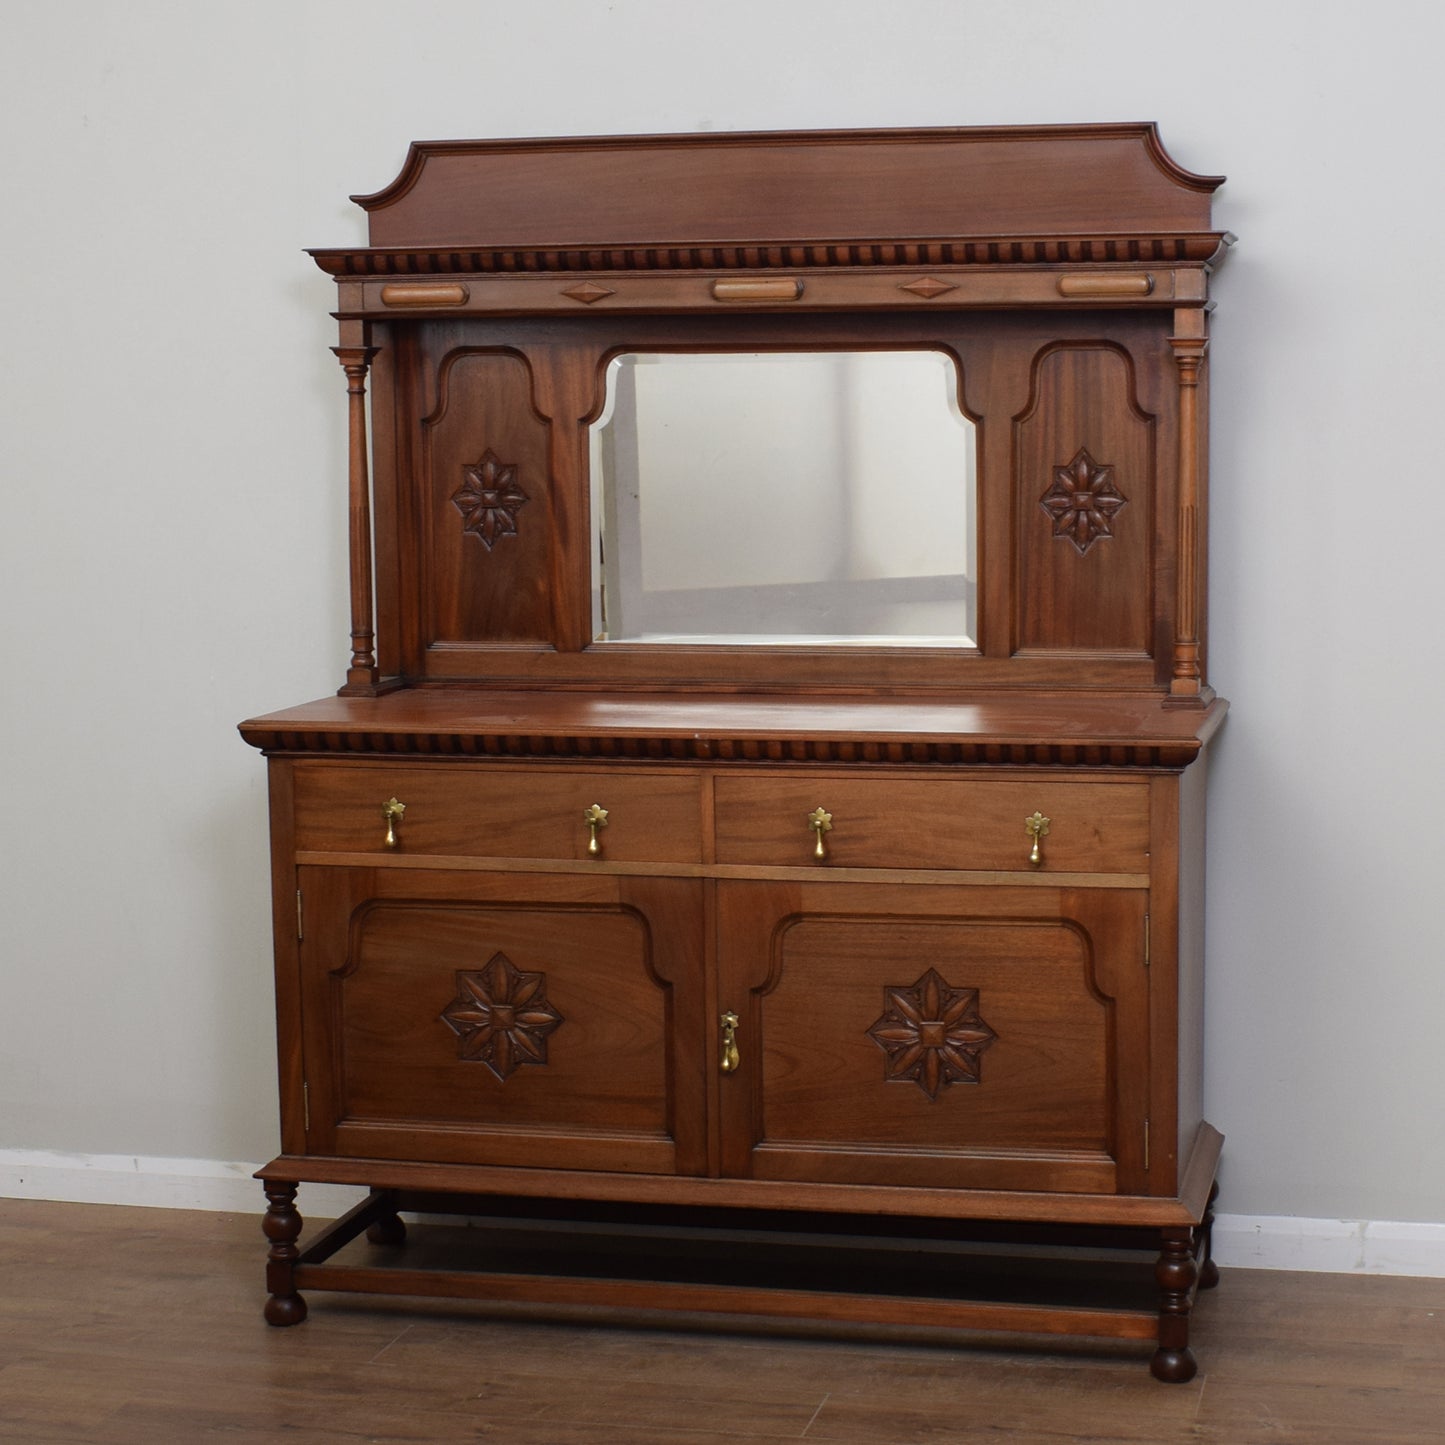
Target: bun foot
(389, 1230)
(1174, 1367)
(1208, 1274)
(285, 1309)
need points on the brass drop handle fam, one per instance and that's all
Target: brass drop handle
(730, 1058)
(1036, 827)
(596, 817)
(391, 812)
(820, 822)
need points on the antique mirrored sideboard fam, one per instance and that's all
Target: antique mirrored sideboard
(755, 863)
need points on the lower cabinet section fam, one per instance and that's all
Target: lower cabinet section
(928, 1036)
(736, 1064)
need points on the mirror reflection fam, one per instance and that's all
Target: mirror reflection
(784, 497)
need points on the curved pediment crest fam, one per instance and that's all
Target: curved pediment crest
(1024, 183)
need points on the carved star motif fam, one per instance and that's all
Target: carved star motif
(489, 498)
(932, 1034)
(1082, 501)
(501, 1016)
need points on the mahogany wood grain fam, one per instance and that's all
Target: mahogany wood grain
(758, 190)
(1189, 255)
(386, 497)
(794, 1304)
(286, 917)
(1190, 344)
(483, 572)
(1088, 731)
(361, 675)
(1184, 1207)
(883, 822)
(424, 294)
(484, 991)
(513, 813)
(496, 289)
(1085, 581)
(739, 872)
(1036, 386)
(613, 964)
(1060, 985)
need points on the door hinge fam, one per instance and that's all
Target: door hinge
(300, 932)
(1146, 1146)
(1146, 937)
(306, 1107)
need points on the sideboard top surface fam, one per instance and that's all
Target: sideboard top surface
(1098, 730)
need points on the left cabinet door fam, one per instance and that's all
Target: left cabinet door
(511, 1019)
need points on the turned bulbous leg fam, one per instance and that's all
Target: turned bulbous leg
(282, 1226)
(1208, 1270)
(1175, 1273)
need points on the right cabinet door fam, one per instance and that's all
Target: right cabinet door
(936, 1036)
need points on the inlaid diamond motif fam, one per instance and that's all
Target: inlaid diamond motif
(588, 292)
(928, 287)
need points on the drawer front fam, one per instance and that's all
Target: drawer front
(1092, 827)
(461, 812)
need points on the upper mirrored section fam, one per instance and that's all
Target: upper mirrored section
(785, 497)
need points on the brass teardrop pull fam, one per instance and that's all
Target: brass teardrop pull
(1036, 827)
(730, 1059)
(596, 817)
(391, 812)
(820, 822)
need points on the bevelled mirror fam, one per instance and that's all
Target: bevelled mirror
(805, 498)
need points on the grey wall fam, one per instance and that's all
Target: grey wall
(173, 497)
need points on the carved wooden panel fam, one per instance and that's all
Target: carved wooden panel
(486, 522)
(504, 1019)
(1063, 981)
(932, 1034)
(501, 1016)
(1084, 474)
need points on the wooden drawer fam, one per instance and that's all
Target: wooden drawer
(878, 822)
(465, 811)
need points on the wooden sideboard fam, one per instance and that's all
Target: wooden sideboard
(766, 826)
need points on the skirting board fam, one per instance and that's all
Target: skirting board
(156, 1183)
(1241, 1241)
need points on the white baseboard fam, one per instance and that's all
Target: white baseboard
(1337, 1246)
(211, 1184)
(1241, 1241)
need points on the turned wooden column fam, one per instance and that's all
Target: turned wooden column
(1189, 343)
(282, 1226)
(1175, 1274)
(1208, 1270)
(362, 675)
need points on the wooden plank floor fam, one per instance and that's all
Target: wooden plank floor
(144, 1325)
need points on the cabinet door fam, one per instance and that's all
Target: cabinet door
(992, 1038)
(509, 1019)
